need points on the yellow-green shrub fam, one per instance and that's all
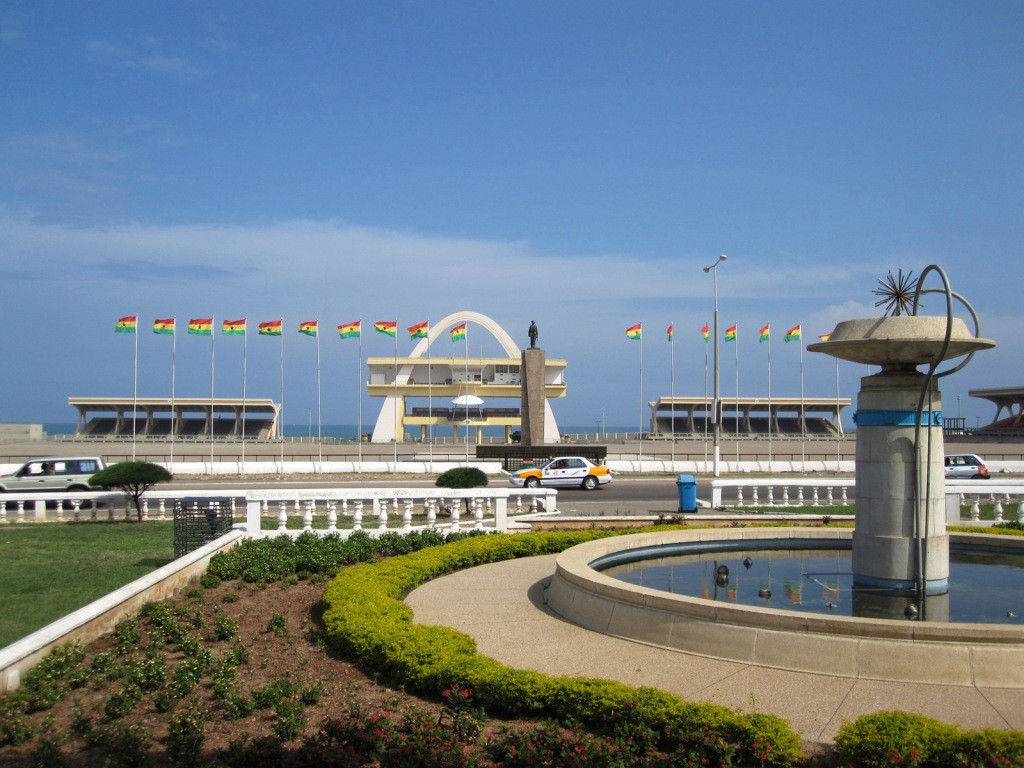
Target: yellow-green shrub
(366, 620)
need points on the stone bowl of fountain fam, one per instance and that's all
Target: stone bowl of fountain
(900, 342)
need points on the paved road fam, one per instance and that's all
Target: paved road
(626, 495)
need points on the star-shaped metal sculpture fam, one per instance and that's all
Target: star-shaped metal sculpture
(897, 293)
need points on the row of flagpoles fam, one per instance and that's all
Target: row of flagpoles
(204, 327)
(635, 333)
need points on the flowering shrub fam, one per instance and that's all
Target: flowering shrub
(552, 745)
(185, 734)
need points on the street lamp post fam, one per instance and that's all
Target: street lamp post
(716, 403)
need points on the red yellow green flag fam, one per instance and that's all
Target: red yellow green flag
(458, 332)
(164, 326)
(793, 334)
(706, 331)
(233, 327)
(127, 324)
(670, 333)
(271, 328)
(634, 332)
(350, 330)
(825, 337)
(309, 327)
(201, 326)
(387, 327)
(418, 331)
(730, 332)
(766, 332)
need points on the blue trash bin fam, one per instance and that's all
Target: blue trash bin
(687, 485)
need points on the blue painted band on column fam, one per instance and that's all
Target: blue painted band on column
(896, 418)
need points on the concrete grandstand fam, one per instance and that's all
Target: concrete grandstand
(749, 416)
(160, 418)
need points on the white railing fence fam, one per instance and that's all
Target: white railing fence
(779, 492)
(292, 511)
(1006, 499)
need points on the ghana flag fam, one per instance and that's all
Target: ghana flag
(127, 324)
(201, 326)
(271, 328)
(233, 327)
(458, 332)
(418, 331)
(635, 332)
(309, 327)
(350, 330)
(730, 333)
(164, 326)
(387, 327)
(706, 332)
(766, 332)
(793, 334)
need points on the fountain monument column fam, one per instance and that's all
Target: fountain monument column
(900, 542)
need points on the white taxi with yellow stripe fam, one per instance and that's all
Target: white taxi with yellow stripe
(563, 472)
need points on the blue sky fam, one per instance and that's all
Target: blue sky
(573, 163)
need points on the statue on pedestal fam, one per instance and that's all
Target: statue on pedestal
(533, 334)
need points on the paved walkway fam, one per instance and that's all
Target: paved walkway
(502, 607)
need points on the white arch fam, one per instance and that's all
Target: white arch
(384, 430)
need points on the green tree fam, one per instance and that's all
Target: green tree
(133, 478)
(462, 477)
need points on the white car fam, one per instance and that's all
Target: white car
(564, 472)
(55, 473)
(962, 466)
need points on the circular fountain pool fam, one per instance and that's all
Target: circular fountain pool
(889, 649)
(985, 586)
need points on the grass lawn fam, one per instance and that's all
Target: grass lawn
(48, 570)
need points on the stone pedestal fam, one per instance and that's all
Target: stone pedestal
(533, 398)
(885, 551)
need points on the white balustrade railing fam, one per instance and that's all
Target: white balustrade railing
(1006, 499)
(782, 492)
(326, 510)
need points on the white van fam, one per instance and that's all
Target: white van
(53, 473)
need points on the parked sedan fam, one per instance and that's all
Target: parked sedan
(961, 466)
(564, 472)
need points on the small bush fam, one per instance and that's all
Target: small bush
(462, 477)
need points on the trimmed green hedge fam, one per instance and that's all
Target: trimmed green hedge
(885, 739)
(366, 620)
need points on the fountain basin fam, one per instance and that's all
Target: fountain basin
(905, 340)
(985, 655)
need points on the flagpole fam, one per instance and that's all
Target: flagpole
(319, 420)
(705, 402)
(430, 404)
(212, 390)
(135, 388)
(737, 351)
(640, 455)
(803, 412)
(280, 414)
(395, 444)
(245, 367)
(769, 399)
(359, 396)
(174, 353)
(672, 392)
(465, 337)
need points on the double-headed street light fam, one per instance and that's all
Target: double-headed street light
(716, 403)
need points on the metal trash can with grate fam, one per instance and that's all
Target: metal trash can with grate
(198, 521)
